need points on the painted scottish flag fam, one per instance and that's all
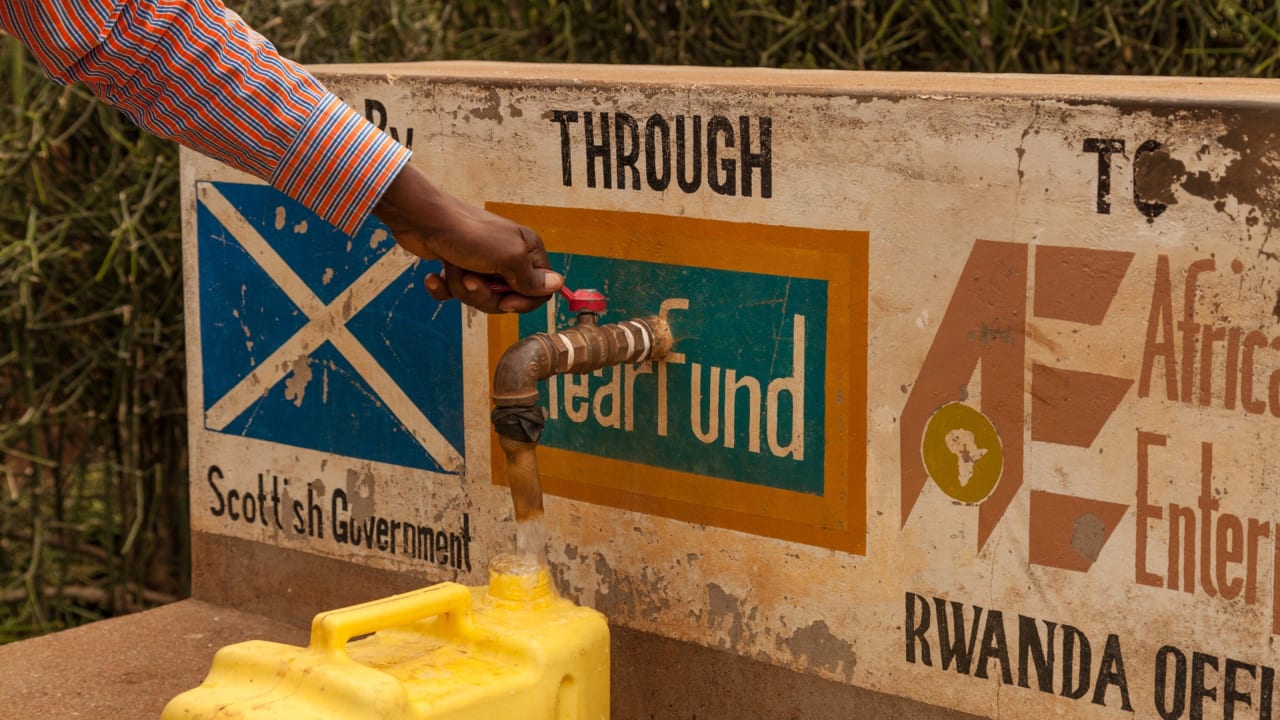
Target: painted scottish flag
(318, 340)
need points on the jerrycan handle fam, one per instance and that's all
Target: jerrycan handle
(331, 630)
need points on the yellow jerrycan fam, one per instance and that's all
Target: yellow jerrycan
(513, 649)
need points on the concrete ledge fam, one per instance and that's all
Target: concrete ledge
(126, 667)
(129, 667)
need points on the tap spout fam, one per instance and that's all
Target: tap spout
(582, 348)
(518, 420)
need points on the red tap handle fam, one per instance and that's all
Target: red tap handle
(592, 301)
(587, 300)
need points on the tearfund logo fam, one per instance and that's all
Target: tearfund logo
(964, 425)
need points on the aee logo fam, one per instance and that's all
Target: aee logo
(976, 454)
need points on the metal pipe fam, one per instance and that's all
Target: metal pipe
(585, 347)
(581, 348)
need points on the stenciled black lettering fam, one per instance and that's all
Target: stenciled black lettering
(737, 155)
(957, 633)
(233, 495)
(275, 500)
(720, 130)
(221, 507)
(564, 117)
(1200, 690)
(1111, 672)
(956, 649)
(426, 544)
(373, 532)
(994, 646)
(1104, 147)
(455, 550)
(376, 113)
(262, 499)
(341, 531)
(1031, 649)
(250, 507)
(442, 547)
(315, 515)
(689, 154)
(1075, 683)
(598, 149)
(381, 530)
(762, 160)
(408, 540)
(408, 137)
(466, 540)
(1231, 687)
(1265, 688)
(916, 630)
(1177, 694)
(657, 172)
(626, 141)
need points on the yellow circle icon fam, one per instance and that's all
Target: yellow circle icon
(962, 452)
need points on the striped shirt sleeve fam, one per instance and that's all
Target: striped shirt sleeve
(193, 71)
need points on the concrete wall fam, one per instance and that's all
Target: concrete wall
(975, 386)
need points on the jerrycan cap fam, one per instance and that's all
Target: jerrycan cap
(520, 579)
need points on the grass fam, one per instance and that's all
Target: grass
(92, 414)
(91, 439)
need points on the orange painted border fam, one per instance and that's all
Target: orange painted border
(837, 518)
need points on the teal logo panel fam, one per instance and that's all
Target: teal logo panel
(318, 340)
(746, 403)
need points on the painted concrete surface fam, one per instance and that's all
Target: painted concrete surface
(972, 401)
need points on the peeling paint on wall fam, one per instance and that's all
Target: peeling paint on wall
(1049, 358)
(295, 387)
(815, 647)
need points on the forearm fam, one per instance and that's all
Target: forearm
(194, 72)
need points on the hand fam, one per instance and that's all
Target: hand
(470, 243)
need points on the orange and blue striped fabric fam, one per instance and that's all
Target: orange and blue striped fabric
(193, 71)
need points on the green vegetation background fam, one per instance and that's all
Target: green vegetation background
(93, 518)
